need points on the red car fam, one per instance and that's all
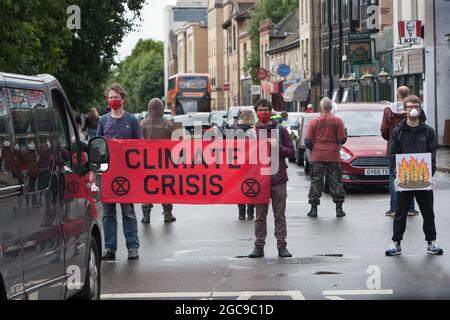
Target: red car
(364, 155)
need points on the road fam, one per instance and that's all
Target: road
(203, 255)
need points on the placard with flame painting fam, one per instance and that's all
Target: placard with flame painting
(414, 172)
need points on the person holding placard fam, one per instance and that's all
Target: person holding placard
(413, 156)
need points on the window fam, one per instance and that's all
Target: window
(32, 129)
(335, 11)
(306, 55)
(355, 10)
(325, 13)
(68, 145)
(234, 38)
(344, 8)
(10, 173)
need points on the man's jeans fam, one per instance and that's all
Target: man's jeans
(394, 193)
(129, 223)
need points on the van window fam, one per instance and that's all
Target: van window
(31, 127)
(9, 168)
(65, 132)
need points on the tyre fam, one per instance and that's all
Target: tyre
(92, 283)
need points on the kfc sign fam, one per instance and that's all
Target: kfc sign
(410, 32)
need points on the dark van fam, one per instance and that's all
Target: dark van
(50, 238)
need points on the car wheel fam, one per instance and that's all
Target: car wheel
(92, 283)
(307, 166)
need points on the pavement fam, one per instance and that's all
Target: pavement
(443, 160)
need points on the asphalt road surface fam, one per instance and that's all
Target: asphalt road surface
(203, 255)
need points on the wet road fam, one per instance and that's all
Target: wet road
(203, 255)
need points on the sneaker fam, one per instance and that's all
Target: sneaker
(258, 252)
(284, 253)
(390, 213)
(109, 255)
(133, 254)
(413, 212)
(242, 216)
(433, 248)
(394, 249)
(250, 216)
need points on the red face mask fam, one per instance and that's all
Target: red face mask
(264, 116)
(115, 104)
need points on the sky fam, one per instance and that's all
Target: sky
(151, 27)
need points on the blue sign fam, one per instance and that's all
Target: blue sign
(283, 70)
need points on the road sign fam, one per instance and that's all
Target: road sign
(283, 70)
(256, 90)
(226, 87)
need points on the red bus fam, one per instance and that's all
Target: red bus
(189, 92)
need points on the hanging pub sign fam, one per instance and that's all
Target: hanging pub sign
(360, 48)
(410, 32)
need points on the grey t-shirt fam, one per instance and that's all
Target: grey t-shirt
(125, 127)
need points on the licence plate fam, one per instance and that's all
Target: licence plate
(376, 172)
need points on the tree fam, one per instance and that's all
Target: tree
(34, 38)
(274, 9)
(142, 74)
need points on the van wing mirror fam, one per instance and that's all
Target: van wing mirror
(98, 155)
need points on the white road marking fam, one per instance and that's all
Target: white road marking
(169, 260)
(241, 295)
(334, 298)
(182, 252)
(357, 292)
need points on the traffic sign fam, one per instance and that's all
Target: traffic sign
(283, 70)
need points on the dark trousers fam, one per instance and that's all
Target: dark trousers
(250, 208)
(425, 201)
(278, 195)
(167, 207)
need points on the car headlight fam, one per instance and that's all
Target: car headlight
(344, 155)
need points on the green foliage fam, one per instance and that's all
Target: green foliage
(275, 9)
(34, 39)
(142, 74)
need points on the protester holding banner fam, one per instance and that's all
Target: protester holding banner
(324, 138)
(282, 144)
(392, 116)
(155, 126)
(245, 125)
(119, 124)
(413, 136)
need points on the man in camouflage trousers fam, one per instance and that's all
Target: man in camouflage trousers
(324, 138)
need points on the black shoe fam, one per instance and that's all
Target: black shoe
(284, 253)
(241, 216)
(250, 216)
(258, 252)
(109, 255)
(145, 217)
(339, 212)
(313, 212)
(169, 217)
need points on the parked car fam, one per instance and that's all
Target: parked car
(193, 121)
(217, 118)
(292, 128)
(301, 152)
(364, 155)
(168, 114)
(50, 238)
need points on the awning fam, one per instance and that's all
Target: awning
(297, 92)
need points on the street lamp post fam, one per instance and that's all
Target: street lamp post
(384, 79)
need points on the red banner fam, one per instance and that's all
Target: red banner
(186, 172)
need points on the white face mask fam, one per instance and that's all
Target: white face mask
(31, 146)
(6, 143)
(414, 113)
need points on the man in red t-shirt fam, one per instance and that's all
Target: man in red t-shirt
(324, 138)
